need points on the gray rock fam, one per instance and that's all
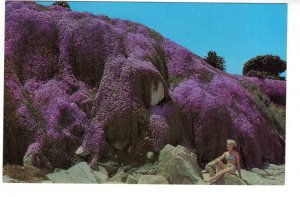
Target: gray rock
(46, 181)
(126, 168)
(152, 179)
(81, 152)
(102, 174)
(79, 173)
(150, 156)
(131, 179)
(157, 93)
(120, 144)
(275, 170)
(210, 168)
(259, 171)
(252, 178)
(179, 166)
(119, 177)
(148, 168)
(255, 179)
(275, 174)
(110, 166)
(28, 160)
(7, 179)
(230, 179)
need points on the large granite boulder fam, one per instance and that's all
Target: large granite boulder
(79, 173)
(179, 166)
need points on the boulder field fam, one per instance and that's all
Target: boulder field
(175, 165)
(86, 86)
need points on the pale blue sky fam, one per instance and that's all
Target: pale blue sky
(237, 32)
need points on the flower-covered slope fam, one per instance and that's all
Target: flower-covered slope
(113, 89)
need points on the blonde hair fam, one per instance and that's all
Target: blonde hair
(230, 141)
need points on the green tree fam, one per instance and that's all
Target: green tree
(216, 61)
(266, 66)
(62, 3)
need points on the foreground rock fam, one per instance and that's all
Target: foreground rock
(7, 179)
(230, 179)
(210, 168)
(110, 166)
(179, 166)
(152, 179)
(150, 173)
(79, 173)
(271, 175)
(119, 177)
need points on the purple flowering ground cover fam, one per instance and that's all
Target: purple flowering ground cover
(118, 90)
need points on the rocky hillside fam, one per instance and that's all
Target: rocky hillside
(114, 90)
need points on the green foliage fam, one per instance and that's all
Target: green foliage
(132, 26)
(274, 113)
(174, 81)
(267, 66)
(263, 74)
(155, 35)
(159, 60)
(216, 61)
(62, 3)
(35, 113)
(41, 7)
(207, 76)
(106, 19)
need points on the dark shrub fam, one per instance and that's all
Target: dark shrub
(267, 66)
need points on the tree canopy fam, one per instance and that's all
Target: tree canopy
(62, 3)
(216, 61)
(266, 66)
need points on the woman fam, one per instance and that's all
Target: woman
(233, 162)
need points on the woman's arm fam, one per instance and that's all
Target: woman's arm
(221, 157)
(238, 164)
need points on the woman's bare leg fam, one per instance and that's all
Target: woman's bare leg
(219, 166)
(219, 174)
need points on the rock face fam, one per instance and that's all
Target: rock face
(229, 179)
(119, 177)
(79, 173)
(152, 179)
(271, 175)
(179, 165)
(211, 168)
(118, 90)
(81, 152)
(157, 93)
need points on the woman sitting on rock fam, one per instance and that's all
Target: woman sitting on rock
(233, 162)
